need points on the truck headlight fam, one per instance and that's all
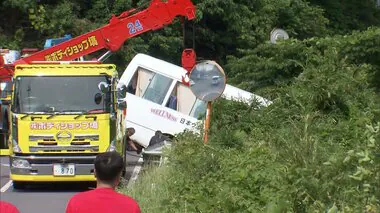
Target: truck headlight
(16, 147)
(111, 148)
(21, 164)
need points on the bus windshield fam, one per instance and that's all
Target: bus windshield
(61, 94)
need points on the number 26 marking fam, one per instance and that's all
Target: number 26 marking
(133, 28)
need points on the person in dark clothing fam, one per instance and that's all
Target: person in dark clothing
(130, 144)
(157, 138)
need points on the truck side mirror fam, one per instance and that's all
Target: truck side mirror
(122, 105)
(121, 94)
(98, 98)
(103, 86)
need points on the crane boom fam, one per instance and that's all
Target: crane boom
(113, 35)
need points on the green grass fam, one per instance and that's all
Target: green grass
(150, 188)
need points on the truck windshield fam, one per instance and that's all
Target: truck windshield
(57, 94)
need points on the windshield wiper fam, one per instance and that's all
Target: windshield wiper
(33, 117)
(86, 112)
(54, 114)
(27, 114)
(82, 112)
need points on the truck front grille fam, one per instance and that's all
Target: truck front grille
(41, 138)
(78, 138)
(84, 137)
(55, 148)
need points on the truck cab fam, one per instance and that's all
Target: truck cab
(62, 116)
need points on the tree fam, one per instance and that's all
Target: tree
(346, 16)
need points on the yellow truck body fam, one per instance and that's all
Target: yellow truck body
(62, 116)
(5, 98)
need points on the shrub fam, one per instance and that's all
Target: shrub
(315, 149)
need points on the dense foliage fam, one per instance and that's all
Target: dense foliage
(222, 28)
(274, 65)
(315, 149)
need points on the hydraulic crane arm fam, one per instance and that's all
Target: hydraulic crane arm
(113, 35)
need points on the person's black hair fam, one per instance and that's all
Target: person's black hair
(131, 130)
(108, 166)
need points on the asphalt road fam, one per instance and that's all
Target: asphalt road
(49, 198)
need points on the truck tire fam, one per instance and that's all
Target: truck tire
(19, 185)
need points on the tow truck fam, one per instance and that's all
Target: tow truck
(64, 112)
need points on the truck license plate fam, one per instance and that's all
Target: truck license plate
(64, 169)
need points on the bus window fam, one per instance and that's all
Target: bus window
(185, 98)
(139, 82)
(184, 101)
(199, 109)
(172, 102)
(158, 88)
(132, 84)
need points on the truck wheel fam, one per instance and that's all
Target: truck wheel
(92, 184)
(19, 185)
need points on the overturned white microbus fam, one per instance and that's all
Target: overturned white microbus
(158, 101)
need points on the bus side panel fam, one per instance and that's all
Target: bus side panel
(147, 117)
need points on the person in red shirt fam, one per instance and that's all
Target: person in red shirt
(6, 207)
(104, 198)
